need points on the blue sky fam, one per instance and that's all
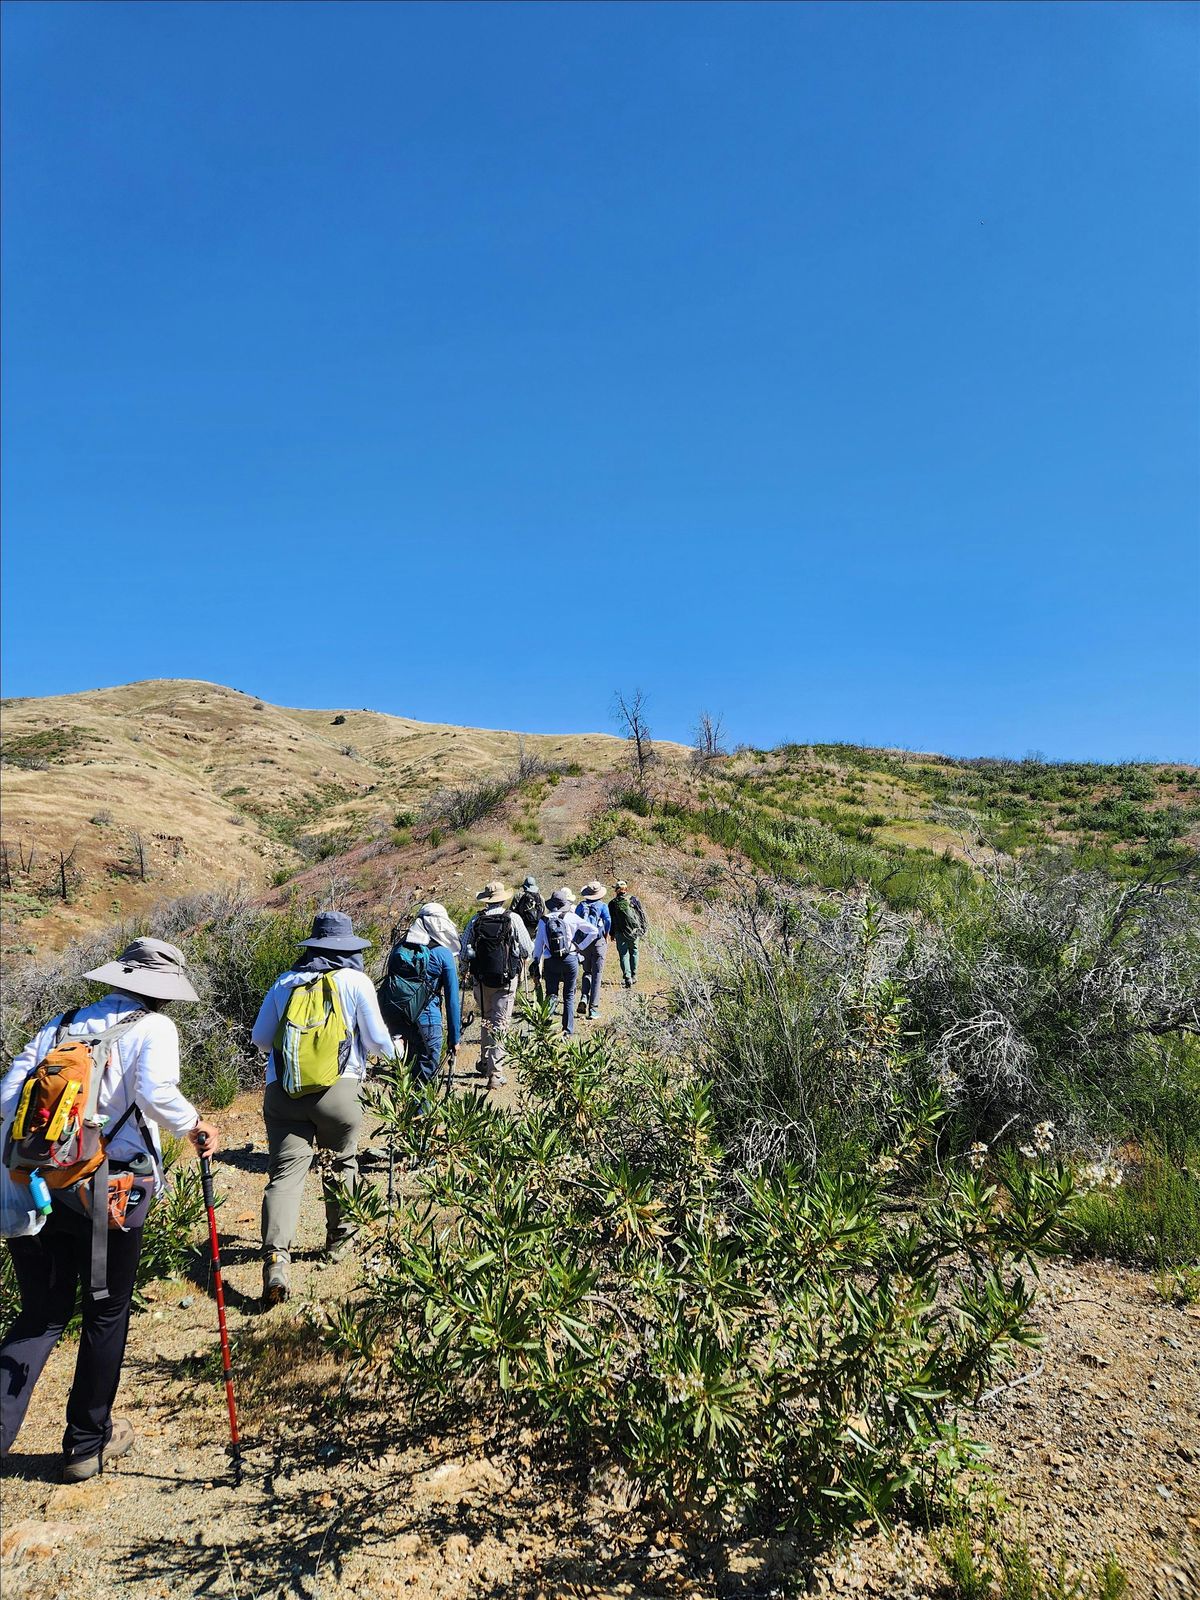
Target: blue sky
(831, 367)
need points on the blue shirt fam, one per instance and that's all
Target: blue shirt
(597, 913)
(443, 962)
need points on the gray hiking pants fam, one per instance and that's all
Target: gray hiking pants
(495, 1013)
(295, 1130)
(593, 970)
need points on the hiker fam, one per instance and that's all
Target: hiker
(421, 977)
(531, 908)
(495, 947)
(593, 909)
(134, 1077)
(629, 925)
(561, 937)
(319, 1022)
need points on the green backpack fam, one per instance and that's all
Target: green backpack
(410, 983)
(312, 1044)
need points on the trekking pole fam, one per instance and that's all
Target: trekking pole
(206, 1184)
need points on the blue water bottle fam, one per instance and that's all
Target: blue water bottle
(40, 1193)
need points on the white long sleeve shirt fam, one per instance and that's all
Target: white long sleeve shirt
(143, 1069)
(368, 1031)
(580, 931)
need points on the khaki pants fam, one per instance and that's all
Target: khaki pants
(295, 1130)
(495, 1012)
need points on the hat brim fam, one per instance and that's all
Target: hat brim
(598, 894)
(144, 980)
(346, 945)
(493, 899)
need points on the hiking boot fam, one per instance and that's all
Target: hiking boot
(496, 1081)
(628, 982)
(277, 1283)
(77, 1469)
(338, 1246)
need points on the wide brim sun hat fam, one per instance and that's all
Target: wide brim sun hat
(149, 967)
(333, 930)
(593, 891)
(493, 893)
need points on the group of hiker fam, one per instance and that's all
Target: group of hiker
(81, 1107)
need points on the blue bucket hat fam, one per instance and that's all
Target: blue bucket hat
(333, 930)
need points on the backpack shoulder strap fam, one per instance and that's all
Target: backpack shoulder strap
(64, 1024)
(101, 1046)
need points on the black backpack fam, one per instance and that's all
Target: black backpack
(530, 908)
(557, 937)
(494, 958)
(409, 984)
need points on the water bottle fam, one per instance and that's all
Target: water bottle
(40, 1194)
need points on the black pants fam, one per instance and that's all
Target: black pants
(50, 1268)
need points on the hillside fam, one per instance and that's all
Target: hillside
(217, 787)
(116, 799)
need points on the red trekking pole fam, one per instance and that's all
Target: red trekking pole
(206, 1184)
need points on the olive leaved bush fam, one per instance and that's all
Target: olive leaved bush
(762, 1349)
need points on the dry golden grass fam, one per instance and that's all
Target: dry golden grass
(217, 784)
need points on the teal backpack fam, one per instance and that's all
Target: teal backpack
(409, 984)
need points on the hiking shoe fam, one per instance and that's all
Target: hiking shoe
(77, 1469)
(277, 1284)
(496, 1081)
(338, 1246)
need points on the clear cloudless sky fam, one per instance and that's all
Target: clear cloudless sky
(833, 367)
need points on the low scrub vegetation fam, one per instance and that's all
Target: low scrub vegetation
(760, 1349)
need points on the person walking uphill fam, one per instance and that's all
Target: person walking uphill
(319, 1022)
(593, 909)
(629, 926)
(561, 937)
(495, 947)
(421, 977)
(531, 908)
(115, 1064)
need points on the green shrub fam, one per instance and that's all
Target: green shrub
(1153, 1216)
(782, 1350)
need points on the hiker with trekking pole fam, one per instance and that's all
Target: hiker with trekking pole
(318, 1024)
(80, 1109)
(495, 947)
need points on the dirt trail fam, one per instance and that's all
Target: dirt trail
(1098, 1446)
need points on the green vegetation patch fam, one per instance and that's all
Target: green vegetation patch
(45, 746)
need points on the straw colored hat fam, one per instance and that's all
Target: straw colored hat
(593, 891)
(148, 967)
(493, 893)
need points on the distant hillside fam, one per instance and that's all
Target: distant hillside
(122, 797)
(197, 784)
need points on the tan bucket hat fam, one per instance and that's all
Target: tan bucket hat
(150, 967)
(593, 891)
(493, 893)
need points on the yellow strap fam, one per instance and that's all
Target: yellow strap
(18, 1128)
(58, 1120)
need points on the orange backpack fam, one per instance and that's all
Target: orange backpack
(57, 1132)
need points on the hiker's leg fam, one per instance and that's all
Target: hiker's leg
(290, 1139)
(594, 961)
(503, 1002)
(553, 973)
(483, 1004)
(427, 1057)
(623, 956)
(101, 1345)
(47, 1270)
(570, 980)
(633, 955)
(536, 970)
(585, 979)
(338, 1116)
